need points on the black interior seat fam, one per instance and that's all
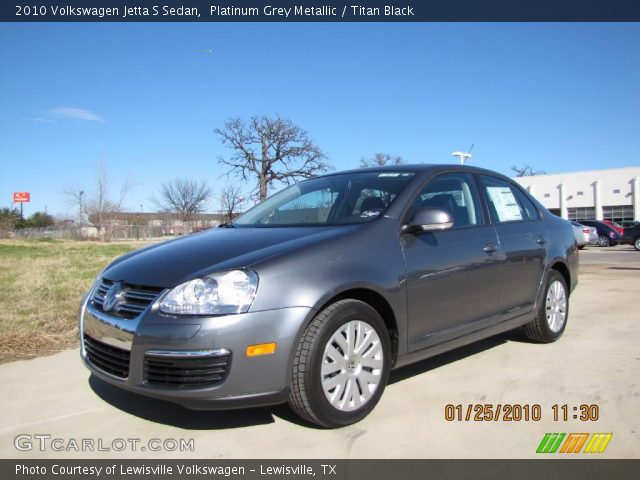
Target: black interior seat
(448, 203)
(372, 203)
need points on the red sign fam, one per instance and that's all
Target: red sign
(21, 197)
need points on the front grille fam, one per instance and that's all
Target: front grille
(107, 358)
(186, 372)
(134, 299)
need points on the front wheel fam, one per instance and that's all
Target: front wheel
(636, 244)
(604, 241)
(553, 312)
(341, 365)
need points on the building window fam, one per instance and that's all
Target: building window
(616, 190)
(547, 195)
(618, 213)
(580, 193)
(582, 213)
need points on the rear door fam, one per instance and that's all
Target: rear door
(453, 276)
(523, 238)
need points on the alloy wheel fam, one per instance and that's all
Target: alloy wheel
(556, 306)
(603, 241)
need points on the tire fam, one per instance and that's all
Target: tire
(604, 241)
(636, 243)
(320, 362)
(580, 247)
(547, 327)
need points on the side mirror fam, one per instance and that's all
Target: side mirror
(428, 219)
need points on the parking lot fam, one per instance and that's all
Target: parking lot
(595, 363)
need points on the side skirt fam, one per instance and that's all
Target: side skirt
(505, 326)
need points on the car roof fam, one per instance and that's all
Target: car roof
(421, 167)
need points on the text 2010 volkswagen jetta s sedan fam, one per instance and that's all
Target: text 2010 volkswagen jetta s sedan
(314, 295)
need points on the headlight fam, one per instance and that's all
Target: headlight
(214, 294)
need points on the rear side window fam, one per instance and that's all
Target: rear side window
(526, 203)
(506, 202)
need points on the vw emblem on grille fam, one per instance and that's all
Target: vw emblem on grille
(112, 297)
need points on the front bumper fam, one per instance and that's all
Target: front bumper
(247, 382)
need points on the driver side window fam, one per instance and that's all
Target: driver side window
(456, 194)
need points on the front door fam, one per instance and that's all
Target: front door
(453, 276)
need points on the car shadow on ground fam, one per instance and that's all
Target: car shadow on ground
(451, 356)
(168, 413)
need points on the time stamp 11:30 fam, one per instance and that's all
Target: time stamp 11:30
(519, 412)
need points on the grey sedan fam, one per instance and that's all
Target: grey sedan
(313, 296)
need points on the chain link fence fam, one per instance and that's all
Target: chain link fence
(106, 233)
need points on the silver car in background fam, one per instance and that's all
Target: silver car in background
(584, 235)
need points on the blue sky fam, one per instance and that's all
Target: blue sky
(145, 98)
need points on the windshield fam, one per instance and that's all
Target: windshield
(332, 200)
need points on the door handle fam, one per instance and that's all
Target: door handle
(490, 248)
(541, 240)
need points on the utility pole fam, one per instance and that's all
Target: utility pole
(80, 208)
(141, 220)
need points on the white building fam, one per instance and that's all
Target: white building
(611, 194)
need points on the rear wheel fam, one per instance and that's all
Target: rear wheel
(553, 312)
(341, 365)
(636, 243)
(604, 241)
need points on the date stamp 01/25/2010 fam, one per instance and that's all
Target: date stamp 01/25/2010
(519, 412)
(552, 442)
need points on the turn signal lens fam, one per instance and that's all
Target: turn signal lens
(261, 349)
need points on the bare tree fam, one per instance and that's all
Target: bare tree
(98, 204)
(526, 170)
(270, 150)
(380, 159)
(74, 195)
(230, 201)
(184, 197)
(101, 205)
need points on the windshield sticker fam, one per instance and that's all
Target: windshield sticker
(506, 205)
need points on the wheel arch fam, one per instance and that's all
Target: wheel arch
(561, 268)
(380, 304)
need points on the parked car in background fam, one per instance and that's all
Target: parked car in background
(631, 236)
(314, 295)
(616, 226)
(584, 235)
(629, 223)
(607, 235)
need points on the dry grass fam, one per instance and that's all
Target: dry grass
(41, 285)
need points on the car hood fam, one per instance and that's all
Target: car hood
(170, 263)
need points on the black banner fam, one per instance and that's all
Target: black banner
(321, 11)
(320, 469)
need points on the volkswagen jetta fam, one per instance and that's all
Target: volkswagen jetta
(313, 296)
